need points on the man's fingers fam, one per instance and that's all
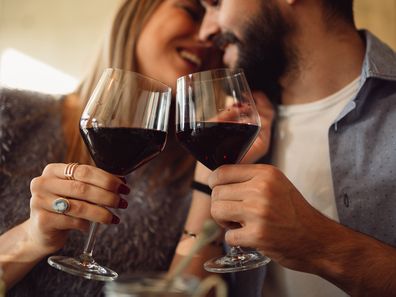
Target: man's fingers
(227, 174)
(224, 212)
(239, 237)
(239, 173)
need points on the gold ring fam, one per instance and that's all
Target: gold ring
(69, 170)
(61, 205)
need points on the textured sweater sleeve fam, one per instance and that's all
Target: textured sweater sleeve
(30, 126)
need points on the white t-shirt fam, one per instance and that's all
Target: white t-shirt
(301, 151)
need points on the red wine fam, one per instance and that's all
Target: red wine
(122, 150)
(215, 144)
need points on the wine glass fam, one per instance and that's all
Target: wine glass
(217, 122)
(124, 125)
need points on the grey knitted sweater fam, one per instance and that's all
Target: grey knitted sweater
(30, 137)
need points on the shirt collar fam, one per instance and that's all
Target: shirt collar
(379, 60)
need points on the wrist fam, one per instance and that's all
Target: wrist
(338, 245)
(18, 254)
(201, 173)
(201, 187)
(31, 244)
(358, 264)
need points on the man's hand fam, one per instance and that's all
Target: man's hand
(276, 219)
(274, 216)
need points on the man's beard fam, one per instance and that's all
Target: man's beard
(263, 53)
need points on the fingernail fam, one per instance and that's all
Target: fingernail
(115, 220)
(123, 203)
(124, 189)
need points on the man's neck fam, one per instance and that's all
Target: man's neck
(327, 62)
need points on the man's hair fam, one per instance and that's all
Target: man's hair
(339, 9)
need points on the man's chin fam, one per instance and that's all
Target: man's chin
(230, 57)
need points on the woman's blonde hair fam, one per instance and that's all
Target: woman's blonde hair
(118, 51)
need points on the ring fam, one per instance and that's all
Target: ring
(69, 170)
(61, 205)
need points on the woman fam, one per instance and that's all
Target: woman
(159, 39)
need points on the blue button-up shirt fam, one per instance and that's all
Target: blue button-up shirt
(363, 148)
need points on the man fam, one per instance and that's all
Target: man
(326, 211)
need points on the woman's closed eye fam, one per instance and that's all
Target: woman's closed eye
(210, 3)
(193, 8)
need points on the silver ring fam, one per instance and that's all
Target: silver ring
(61, 205)
(69, 170)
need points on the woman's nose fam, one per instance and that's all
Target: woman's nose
(209, 27)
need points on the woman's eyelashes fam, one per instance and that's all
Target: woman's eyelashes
(210, 3)
(194, 10)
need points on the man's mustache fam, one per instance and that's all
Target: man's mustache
(221, 40)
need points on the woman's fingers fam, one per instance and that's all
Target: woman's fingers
(88, 183)
(54, 221)
(78, 190)
(88, 174)
(77, 210)
(87, 194)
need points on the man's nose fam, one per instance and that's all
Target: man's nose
(209, 27)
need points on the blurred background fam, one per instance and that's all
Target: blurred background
(48, 45)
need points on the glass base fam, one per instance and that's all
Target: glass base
(83, 266)
(233, 262)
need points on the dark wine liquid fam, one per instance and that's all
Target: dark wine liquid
(122, 150)
(215, 144)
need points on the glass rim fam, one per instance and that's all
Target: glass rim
(142, 76)
(223, 73)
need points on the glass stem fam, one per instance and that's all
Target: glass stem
(236, 250)
(90, 243)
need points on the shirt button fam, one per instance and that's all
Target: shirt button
(346, 200)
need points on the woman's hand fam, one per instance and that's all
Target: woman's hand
(267, 114)
(90, 194)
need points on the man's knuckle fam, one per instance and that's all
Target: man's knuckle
(216, 210)
(216, 193)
